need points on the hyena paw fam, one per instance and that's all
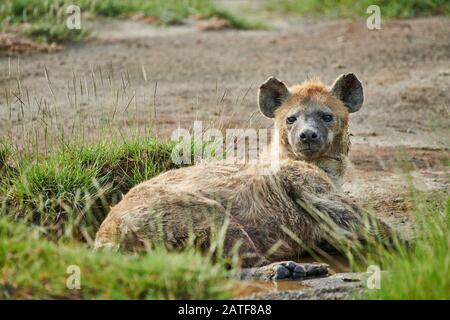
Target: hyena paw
(293, 270)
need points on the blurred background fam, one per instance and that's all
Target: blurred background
(175, 61)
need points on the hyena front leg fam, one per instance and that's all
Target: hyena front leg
(239, 244)
(286, 270)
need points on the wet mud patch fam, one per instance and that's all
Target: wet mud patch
(389, 158)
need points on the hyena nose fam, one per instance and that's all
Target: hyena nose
(308, 136)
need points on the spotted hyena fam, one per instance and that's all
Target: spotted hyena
(265, 216)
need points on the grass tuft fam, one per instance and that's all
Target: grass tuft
(77, 184)
(352, 9)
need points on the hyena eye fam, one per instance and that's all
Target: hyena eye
(327, 117)
(291, 120)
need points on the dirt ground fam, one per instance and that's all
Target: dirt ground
(134, 75)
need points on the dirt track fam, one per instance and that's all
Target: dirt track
(213, 76)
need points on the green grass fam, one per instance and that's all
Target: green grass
(75, 185)
(45, 20)
(356, 9)
(420, 270)
(51, 31)
(67, 192)
(34, 268)
(5, 152)
(66, 195)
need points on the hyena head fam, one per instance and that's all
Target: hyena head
(312, 119)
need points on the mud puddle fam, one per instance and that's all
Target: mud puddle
(253, 287)
(245, 288)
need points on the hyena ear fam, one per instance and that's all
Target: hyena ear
(272, 94)
(349, 90)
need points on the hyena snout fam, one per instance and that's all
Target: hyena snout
(309, 136)
(309, 139)
(311, 143)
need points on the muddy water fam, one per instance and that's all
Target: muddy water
(249, 287)
(245, 288)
